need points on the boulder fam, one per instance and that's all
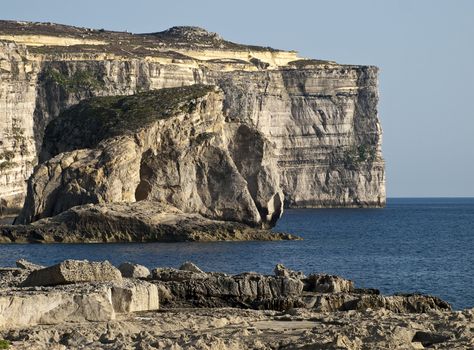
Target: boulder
(53, 306)
(189, 266)
(130, 270)
(94, 302)
(73, 271)
(133, 296)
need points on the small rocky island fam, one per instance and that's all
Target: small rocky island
(162, 165)
(94, 305)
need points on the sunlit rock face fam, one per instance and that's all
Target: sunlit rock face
(320, 117)
(169, 146)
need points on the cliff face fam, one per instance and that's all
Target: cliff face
(321, 117)
(18, 78)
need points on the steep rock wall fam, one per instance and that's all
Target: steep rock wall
(18, 79)
(321, 116)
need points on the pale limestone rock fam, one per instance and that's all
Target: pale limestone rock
(130, 270)
(73, 271)
(55, 306)
(142, 221)
(282, 271)
(322, 293)
(189, 266)
(190, 158)
(133, 296)
(234, 329)
(318, 114)
(75, 303)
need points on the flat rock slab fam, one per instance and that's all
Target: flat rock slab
(20, 307)
(73, 271)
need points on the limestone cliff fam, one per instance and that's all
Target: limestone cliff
(167, 146)
(321, 117)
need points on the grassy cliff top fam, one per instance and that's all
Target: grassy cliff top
(91, 121)
(175, 37)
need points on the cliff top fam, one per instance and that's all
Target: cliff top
(175, 37)
(99, 118)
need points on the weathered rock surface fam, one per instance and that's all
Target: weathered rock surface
(170, 146)
(134, 295)
(184, 288)
(73, 271)
(71, 291)
(101, 315)
(189, 266)
(321, 116)
(328, 284)
(142, 221)
(75, 303)
(282, 271)
(129, 270)
(236, 329)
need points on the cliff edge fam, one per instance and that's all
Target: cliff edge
(320, 116)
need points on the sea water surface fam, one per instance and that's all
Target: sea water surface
(412, 245)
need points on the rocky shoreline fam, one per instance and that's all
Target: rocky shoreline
(94, 305)
(142, 221)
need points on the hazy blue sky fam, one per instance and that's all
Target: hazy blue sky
(425, 49)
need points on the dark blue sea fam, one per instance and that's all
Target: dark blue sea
(412, 245)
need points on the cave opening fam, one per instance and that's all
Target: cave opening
(144, 187)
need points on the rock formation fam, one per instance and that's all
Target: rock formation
(73, 271)
(129, 270)
(319, 116)
(142, 221)
(214, 310)
(322, 292)
(169, 147)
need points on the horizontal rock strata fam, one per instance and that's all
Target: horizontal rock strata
(321, 292)
(321, 116)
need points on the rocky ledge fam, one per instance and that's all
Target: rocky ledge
(94, 305)
(143, 221)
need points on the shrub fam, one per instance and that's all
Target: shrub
(79, 81)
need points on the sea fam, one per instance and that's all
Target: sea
(423, 245)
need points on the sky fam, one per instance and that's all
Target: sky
(424, 48)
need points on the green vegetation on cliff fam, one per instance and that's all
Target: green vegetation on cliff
(79, 81)
(357, 155)
(99, 118)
